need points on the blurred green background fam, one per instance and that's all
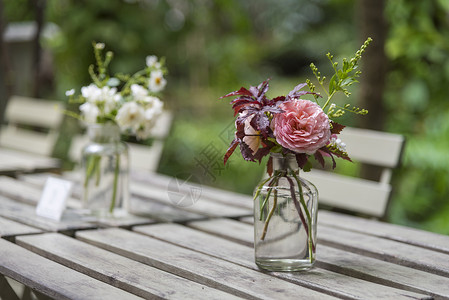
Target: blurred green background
(213, 47)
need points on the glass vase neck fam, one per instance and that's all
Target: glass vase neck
(284, 163)
(104, 133)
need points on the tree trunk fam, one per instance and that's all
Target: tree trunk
(6, 65)
(374, 62)
(374, 70)
(39, 6)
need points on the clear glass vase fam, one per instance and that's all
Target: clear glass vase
(106, 173)
(285, 218)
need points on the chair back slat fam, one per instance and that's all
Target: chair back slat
(356, 194)
(32, 125)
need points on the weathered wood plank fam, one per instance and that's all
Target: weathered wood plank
(26, 214)
(161, 212)
(188, 202)
(119, 271)
(53, 279)
(425, 239)
(223, 227)
(391, 251)
(28, 193)
(195, 266)
(348, 263)
(140, 206)
(319, 279)
(11, 228)
(382, 272)
(208, 192)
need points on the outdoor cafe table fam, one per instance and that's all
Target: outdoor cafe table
(202, 250)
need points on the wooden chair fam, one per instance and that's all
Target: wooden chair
(32, 125)
(360, 195)
(142, 157)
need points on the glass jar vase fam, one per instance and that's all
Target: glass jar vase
(106, 173)
(285, 218)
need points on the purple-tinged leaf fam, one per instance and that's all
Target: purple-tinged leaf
(230, 150)
(319, 157)
(277, 99)
(262, 152)
(301, 159)
(246, 151)
(336, 128)
(270, 166)
(243, 91)
(296, 89)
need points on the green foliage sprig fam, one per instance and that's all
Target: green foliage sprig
(340, 81)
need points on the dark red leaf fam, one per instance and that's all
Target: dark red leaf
(301, 159)
(319, 158)
(246, 151)
(296, 89)
(336, 127)
(270, 166)
(230, 150)
(242, 91)
(262, 152)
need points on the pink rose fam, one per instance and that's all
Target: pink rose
(303, 127)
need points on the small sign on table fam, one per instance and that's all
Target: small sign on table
(54, 197)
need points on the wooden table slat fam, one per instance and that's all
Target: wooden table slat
(388, 250)
(202, 206)
(53, 279)
(28, 193)
(26, 214)
(318, 279)
(122, 272)
(341, 261)
(201, 268)
(12, 228)
(228, 228)
(425, 239)
(211, 193)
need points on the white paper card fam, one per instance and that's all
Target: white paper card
(53, 198)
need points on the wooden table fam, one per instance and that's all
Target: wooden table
(203, 251)
(14, 162)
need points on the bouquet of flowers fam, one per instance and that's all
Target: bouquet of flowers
(124, 103)
(289, 124)
(130, 101)
(292, 126)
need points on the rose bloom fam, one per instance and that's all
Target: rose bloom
(303, 127)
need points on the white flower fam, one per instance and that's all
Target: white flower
(153, 103)
(99, 46)
(70, 92)
(109, 97)
(89, 111)
(138, 92)
(157, 81)
(91, 93)
(152, 62)
(338, 143)
(129, 116)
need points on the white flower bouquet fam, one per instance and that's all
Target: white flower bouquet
(130, 101)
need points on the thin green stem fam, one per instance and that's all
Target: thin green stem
(275, 201)
(114, 188)
(309, 218)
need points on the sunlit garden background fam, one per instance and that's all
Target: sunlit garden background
(213, 47)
